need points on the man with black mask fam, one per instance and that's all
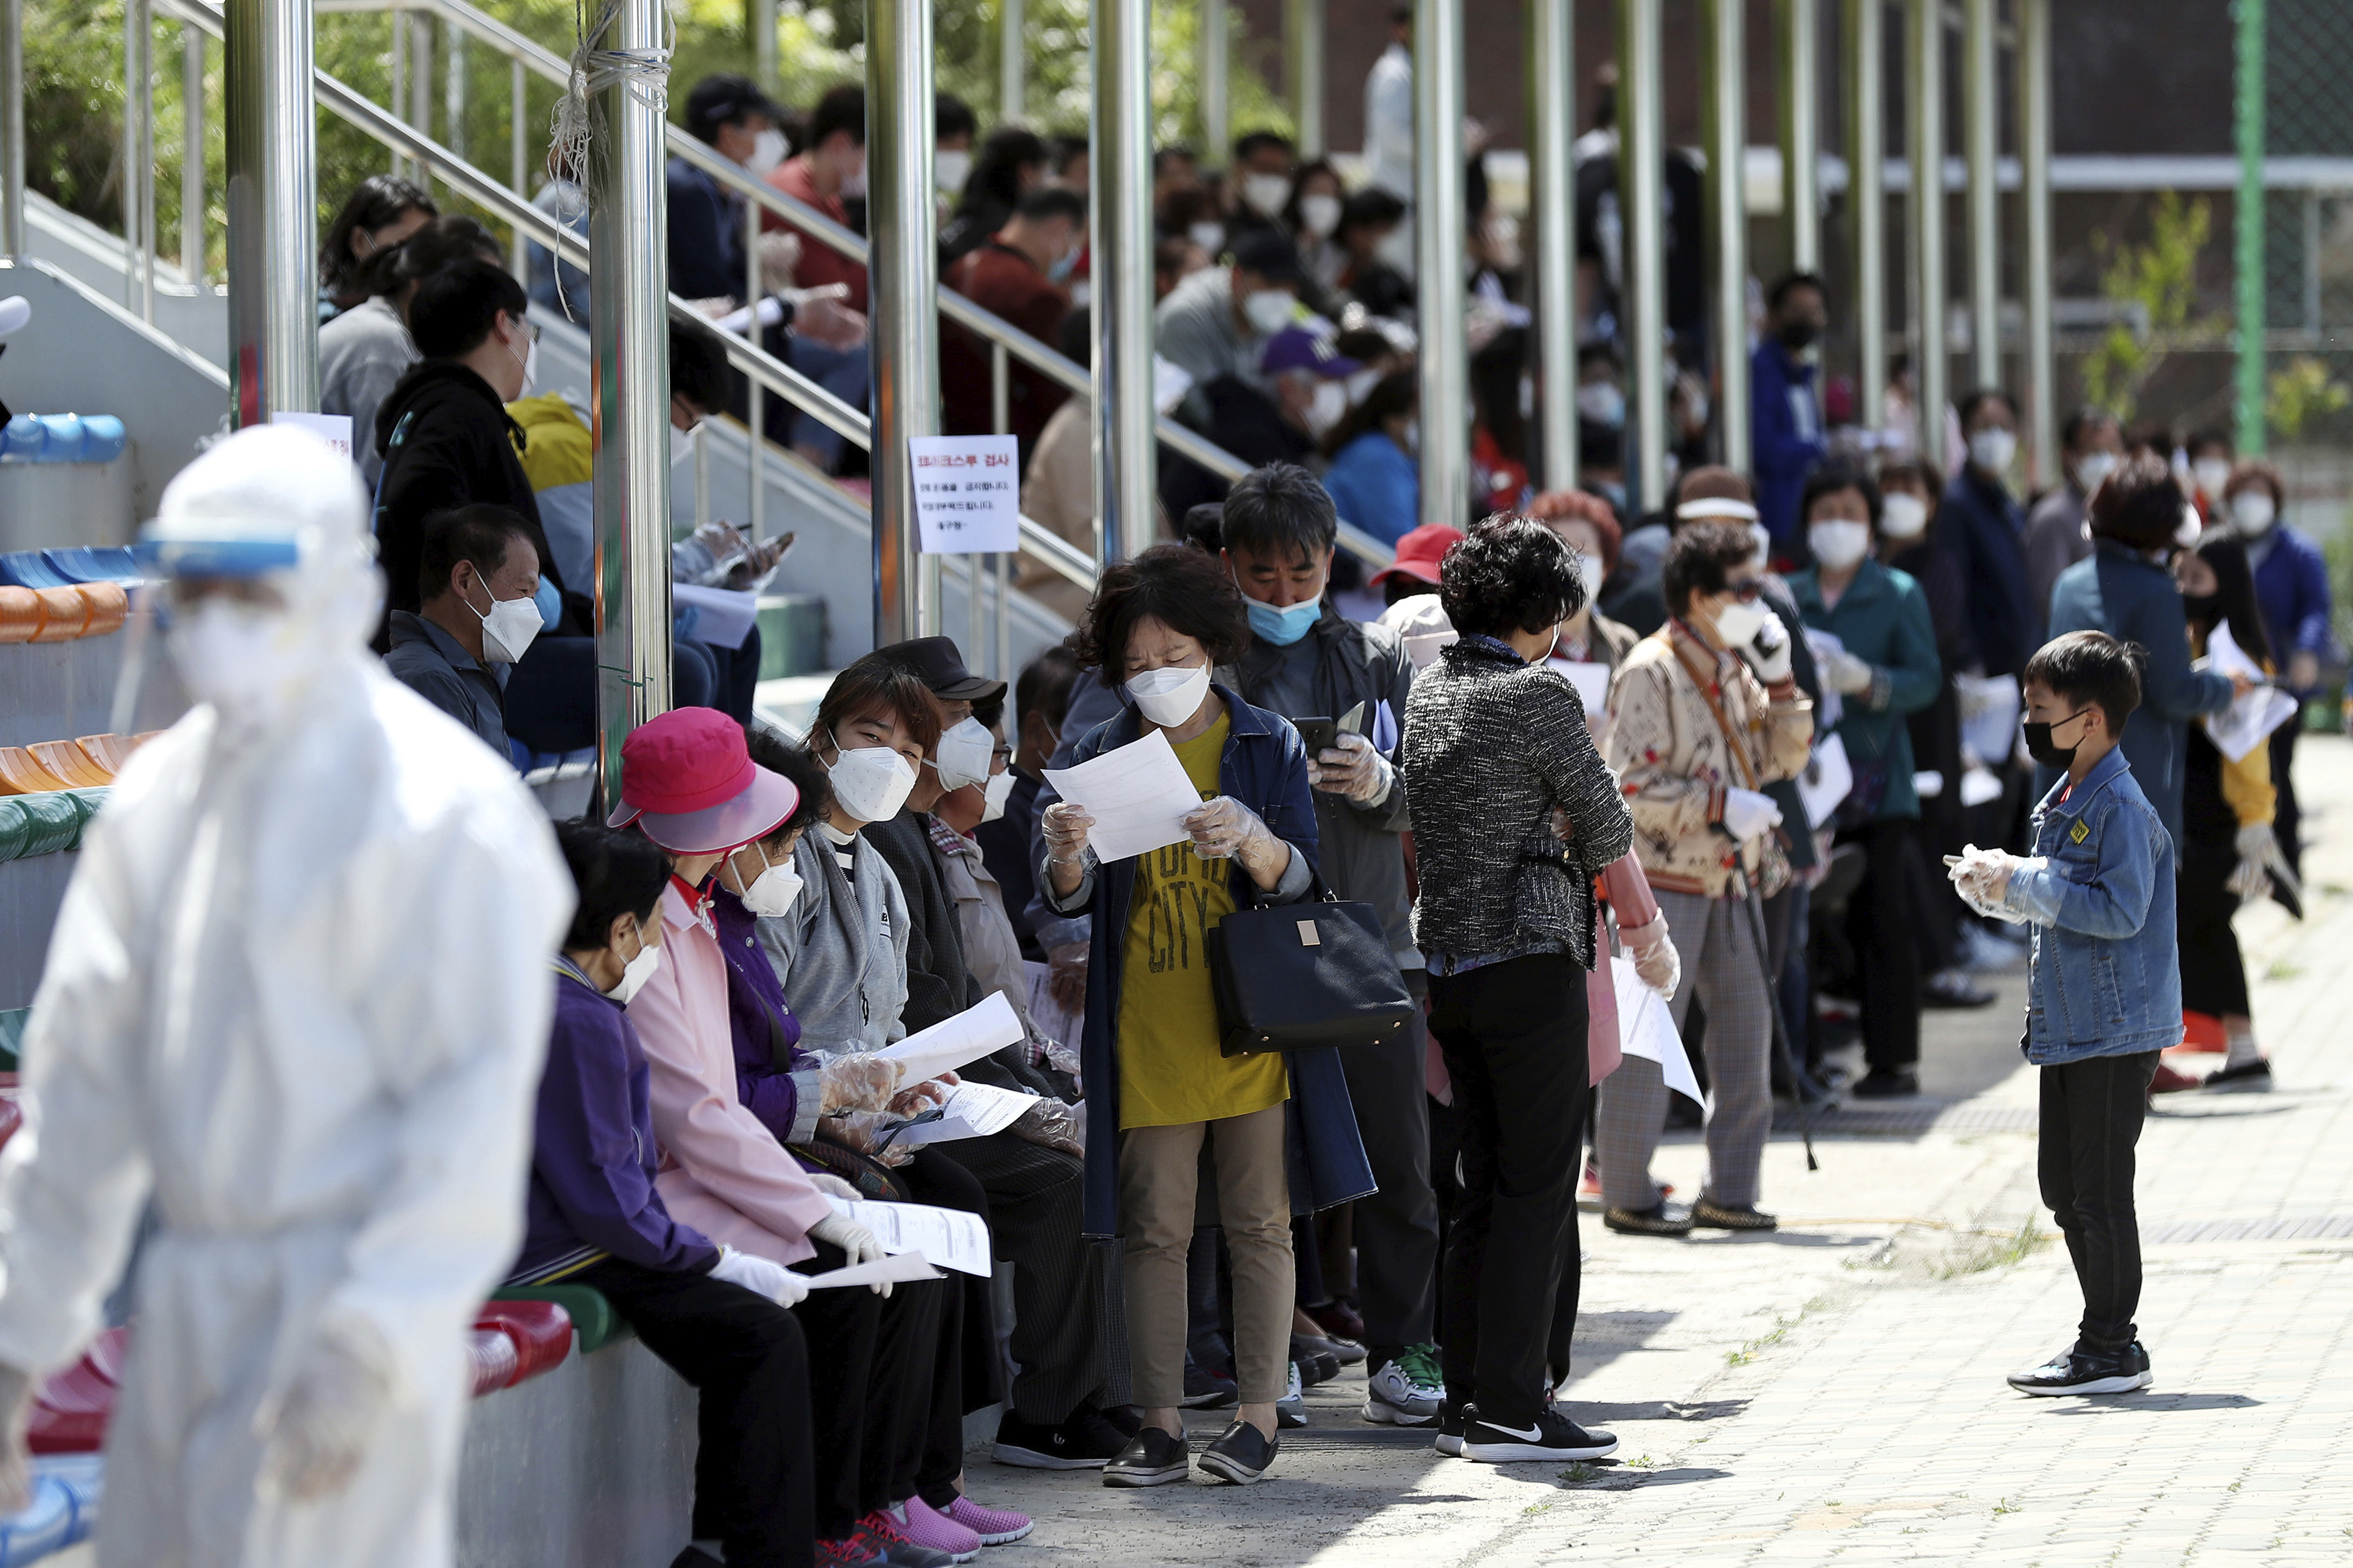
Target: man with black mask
(1786, 424)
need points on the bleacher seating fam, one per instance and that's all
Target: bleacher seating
(62, 438)
(38, 604)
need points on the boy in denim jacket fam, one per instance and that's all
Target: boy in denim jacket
(2103, 993)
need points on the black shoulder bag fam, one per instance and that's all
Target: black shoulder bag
(1317, 972)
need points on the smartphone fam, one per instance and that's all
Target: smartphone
(1319, 734)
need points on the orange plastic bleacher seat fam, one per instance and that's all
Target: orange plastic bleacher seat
(22, 774)
(107, 752)
(69, 761)
(109, 606)
(20, 615)
(65, 613)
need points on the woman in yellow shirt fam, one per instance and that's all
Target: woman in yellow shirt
(1157, 1084)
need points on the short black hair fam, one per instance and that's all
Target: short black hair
(1978, 398)
(698, 367)
(1788, 280)
(378, 200)
(1249, 141)
(1279, 511)
(1700, 558)
(2084, 419)
(869, 685)
(453, 236)
(996, 177)
(2200, 439)
(1164, 156)
(1371, 207)
(615, 873)
(841, 108)
(1183, 588)
(1047, 202)
(1829, 479)
(1045, 683)
(2139, 504)
(456, 308)
(1204, 526)
(1509, 573)
(800, 768)
(951, 116)
(724, 99)
(2093, 669)
(481, 533)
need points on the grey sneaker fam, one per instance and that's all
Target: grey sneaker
(1290, 1410)
(1407, 1391)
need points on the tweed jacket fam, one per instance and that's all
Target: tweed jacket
(1675, 708)
(1491, 745)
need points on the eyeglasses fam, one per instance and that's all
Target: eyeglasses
(1747, 593)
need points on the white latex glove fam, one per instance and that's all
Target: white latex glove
(16, 1460)
(1351, 767)
(861, 1244)
(760, 1277)
(1769, 652)
(859, 1081)
(1748, 813)
(833, 1186)
(2249, 881)
(318, 1426)
(1660, 966)
(1845, 674)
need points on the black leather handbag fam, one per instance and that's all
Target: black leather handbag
(1311, 973)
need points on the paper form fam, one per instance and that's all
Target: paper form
(1138, 794)
(973, 1110)
(2247, 721)
(986, 1025)
(906, 1265)
(1646, 1030)
(950, 1238)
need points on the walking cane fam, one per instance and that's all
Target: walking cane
(1773, 1007)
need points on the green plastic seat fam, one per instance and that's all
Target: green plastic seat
(12, 1035)
(594, 1321)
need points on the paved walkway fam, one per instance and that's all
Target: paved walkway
(1836, 1390)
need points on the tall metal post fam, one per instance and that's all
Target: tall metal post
(453, 93)
(629, 374)
(273, 216)
(397, 99)
(1305, 46)
(1798, 44)
(1924, 93)
(518, 146)
(1724, 130)
(1552, 128)
(12, 127)
(1120, 219)
(138, 158)
(1866, 195)
(420, 81)
(1981, 120)
(2033, 18)
(903, 264)
(1642, 174)
(191, 154)
(1443, 364)
(2247, 222)
(1216, 48)
(1012, 60)
(761, 17)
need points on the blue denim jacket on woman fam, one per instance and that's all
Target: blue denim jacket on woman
(2105, 981)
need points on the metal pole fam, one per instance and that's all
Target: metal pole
(1443, 364)
(702, 474)
(1012, 61)
(2247, 222)
(1552, 128)
(1120, 218)
(756, 445)
(1924, 92)
(1723, 129)
(904, 265)
(1640, 180)
(1216, 48)
(399, 77)
(421, 84)
(136, 108)
(144, 88)
(1799, 47)
(764, 43)
(1982, 111)
(273, 216)
(2033, 18)
(518, 151)
(192, 154)
(453, 93)
(1000, 665)
(1000, 390)
(1305, 52)
(630, 375)
(12, 127)
(1866, 195)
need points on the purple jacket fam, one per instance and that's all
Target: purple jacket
(777, 1081)
(593, 1157)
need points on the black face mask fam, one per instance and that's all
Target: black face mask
(2038, 746)
(1798, 335)
(2202, 608)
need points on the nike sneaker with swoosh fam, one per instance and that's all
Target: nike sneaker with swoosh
(1552, 1436)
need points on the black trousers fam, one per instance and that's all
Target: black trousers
(965, 1371)
(1879, 922)
(1396, 1229)
(745, 1355)
(2092, 1114)
(2213, 971)
(2287, 818)
(1514, 1038)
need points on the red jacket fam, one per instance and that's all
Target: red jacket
(820, 263)
(1000, 278)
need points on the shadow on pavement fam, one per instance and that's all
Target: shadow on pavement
(2154, 1404)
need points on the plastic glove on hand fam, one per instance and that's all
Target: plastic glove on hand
(861, 1244)
(1660, 968)
(1769, 652)
(1053, 1125)
(859, 1081)
(1226, 829)
(1352, 768)
(1066, 976)
(863, 1131)
(760, 1277)
(1064, 828)
(917, 1098)
(16, 1460)
(317, 1428)
(1845, 674)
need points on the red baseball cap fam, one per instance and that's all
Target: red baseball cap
(1419, 553)
(690, 785)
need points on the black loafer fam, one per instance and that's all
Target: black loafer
(1886, 1083)
(1731, 1216)
(1666, 1219)
(1238, 1455)
(1154, 1460)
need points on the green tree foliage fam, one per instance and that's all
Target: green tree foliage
(2160, 278)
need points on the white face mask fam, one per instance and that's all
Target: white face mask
(950, 170)
(1601, 402)
(1210, 237)
(2211, 474)
(771, 892)
(1328, 408)
(1839, 545)
(681, 446)
(528, 359)
(2253, 512)
(871, 783)
(1170, 695)
(1903, 516)
(239, 658)
(1319, 215)
(1268, 310)
(767, 152)
(508, 629)
(1265, 193)
(2093, 466)
(1588, 568)
(993, 800)
(854, 185)
(1991, 449)
(1738, 623)
(2186, 531)
(963, 754)
(636, 972)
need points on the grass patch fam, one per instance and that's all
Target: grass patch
(2005, 1505)
(2281, 969)
(1990, 1252)
(1579, 1473)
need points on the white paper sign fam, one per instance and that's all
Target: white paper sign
(1828, 779)
(1646, 1030)
(334, 430)
(1989, 711)
(905, 1266)
(967, 493)
(1591, 679)
(1139, 795)
(723, 617)
(948, 1238)
(986, 1025)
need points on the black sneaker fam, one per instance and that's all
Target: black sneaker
(1886, 1083)
(1238, 1455)
(1121, 1418)
(1154, 1460)
(1206, 1390)
(1731, 1216)
(2247, 1078)
(1314, 1366)
(1666, 1219)
(1552, 1436)
(1084, 1442)
(1451, 1418)
(2081, 1371)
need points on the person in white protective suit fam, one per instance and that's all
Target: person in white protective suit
(296, 999)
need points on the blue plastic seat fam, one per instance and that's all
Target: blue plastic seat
(107, 564)
(26, 569)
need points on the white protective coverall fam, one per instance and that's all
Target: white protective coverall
(297, 996)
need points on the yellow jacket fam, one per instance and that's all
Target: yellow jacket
(2247, 787)
(557, 446)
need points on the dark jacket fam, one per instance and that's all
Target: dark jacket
(429, 661)
(2134, 599)
(1000, 278)
(1981, 527)
(706, 235)
(1265, 768)
(2291, 585)
(593, 1156)
(1005, 849)
(1359, 846)
(1882, 620)
(774, 1080)
(1785, 436)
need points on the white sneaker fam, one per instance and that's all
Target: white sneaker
(1397, 1396)
(1290, 1410)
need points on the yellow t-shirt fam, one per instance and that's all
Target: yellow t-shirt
(1170, 1070)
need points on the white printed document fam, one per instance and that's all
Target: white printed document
(986, 1025)
(973, 1110)
(334, 430)
(948, 1238)
(967, 496)
(906, 1265)
(723, 617)
(1646, 1030)
(1139, 795)
(1827, 780)
(2247, 721)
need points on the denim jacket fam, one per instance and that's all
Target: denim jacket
(2105, 981)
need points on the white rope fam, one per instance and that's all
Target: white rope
(576, 134)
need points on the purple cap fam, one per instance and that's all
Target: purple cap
(1298, 348)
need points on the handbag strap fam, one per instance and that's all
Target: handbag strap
(1715, 709)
